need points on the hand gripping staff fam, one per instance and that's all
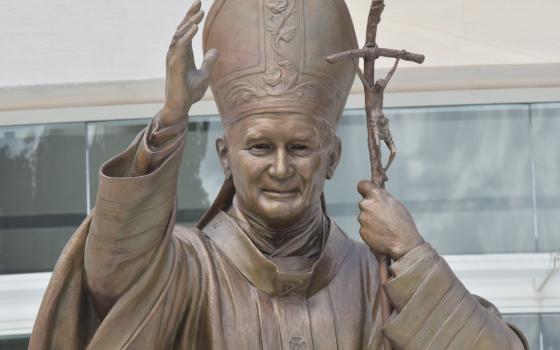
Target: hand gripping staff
(377, 123)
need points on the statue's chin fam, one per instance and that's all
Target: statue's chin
(280, 212)
(278, 217)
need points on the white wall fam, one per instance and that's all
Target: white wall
(63, 41)
(470, 32)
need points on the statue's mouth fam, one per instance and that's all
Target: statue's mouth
(274, 193)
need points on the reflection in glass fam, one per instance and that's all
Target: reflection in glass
(14, 342)
(104, 141)
(546, 150)
(200, 176)
(537, 328)
(43, 189)
(550, 330)
(464, 173)
(529, 324)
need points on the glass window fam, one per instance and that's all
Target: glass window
(340, 192)
(551, 336)
(18, 342)
(104, 141)
(541, 330)
(529, 324)
(464, 173)
(200, 176)
(43, 193)
(546, 150)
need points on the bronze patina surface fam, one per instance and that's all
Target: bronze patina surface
(265, 268)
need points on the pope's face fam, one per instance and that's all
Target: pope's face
(279, 164)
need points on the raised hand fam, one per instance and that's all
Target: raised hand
(184, 83)
(385, 224)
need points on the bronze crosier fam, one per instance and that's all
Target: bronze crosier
(377, 124)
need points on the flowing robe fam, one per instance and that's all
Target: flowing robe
(129, 278)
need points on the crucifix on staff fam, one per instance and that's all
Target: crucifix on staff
(377, 124)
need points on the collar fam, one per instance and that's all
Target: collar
(303, 240)
(238, 249)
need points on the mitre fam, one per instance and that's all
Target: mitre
(272, 57)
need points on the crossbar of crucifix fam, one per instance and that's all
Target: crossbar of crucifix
(376, 52)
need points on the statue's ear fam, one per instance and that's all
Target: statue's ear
(222, 149)
(334, 157)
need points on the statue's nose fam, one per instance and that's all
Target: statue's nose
(281, 167)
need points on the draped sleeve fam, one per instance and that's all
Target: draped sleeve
(125, 279)
(435, 311)
(133, 212)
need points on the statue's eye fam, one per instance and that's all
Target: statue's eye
(298, 147)
(260, 148)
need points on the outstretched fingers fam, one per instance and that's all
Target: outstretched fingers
(192, 21)
(186, 39)
(195, 8)
(188, 26)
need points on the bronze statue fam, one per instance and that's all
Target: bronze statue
(265, 267)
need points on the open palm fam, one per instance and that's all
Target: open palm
(185, 84)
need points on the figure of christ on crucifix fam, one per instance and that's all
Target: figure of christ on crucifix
(265, 267)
